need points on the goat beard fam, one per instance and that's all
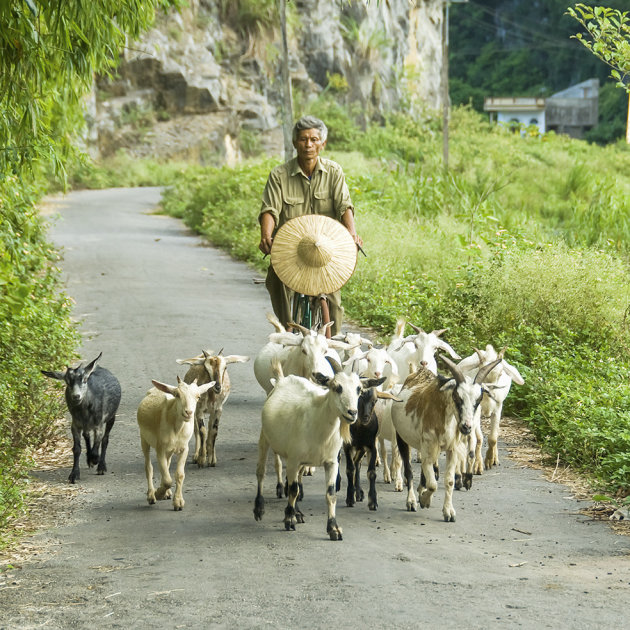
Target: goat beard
(344, 430)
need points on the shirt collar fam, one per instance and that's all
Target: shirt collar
(297, 170)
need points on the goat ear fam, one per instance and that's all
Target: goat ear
(60, 376)
(205, 387)
(448, 385)
(387, 396)
(489, 390)
(286, 339)
(236, 358)
(89, 368)
(163, 387)
(373, 382)
(193, 361)
(448, 349)
(321, 379)
(513, 373)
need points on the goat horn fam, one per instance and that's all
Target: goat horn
(437, 333)
(479, 355)
(302, 329)
(220, 352)
(336, 368)
(416, 328)
(485, 370)
(455, 371)
(502, 352)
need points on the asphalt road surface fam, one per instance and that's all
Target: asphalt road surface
(148, 291)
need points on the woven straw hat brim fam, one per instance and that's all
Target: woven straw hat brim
(313, 254)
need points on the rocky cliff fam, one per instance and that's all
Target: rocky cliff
(204, 83)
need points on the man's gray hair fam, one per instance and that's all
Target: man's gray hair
(310, 122)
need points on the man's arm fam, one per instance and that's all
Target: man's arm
(348, 220)
(267, 225)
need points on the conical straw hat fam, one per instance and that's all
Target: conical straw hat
(313, 254)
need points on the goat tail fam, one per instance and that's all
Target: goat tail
(275, 322)
(400, 328)
(276, 369)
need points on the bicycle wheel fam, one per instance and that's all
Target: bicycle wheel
(321, 313)
(302, 313)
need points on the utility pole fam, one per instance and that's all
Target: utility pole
(287, 102)
(444, 79)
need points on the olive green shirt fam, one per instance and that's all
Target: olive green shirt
(289, 193)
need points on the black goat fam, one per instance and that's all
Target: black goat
(92, 395)
(363, 433)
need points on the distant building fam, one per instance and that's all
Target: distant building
(572, 111)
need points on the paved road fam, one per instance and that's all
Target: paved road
(148, 292)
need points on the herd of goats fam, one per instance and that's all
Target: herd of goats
(322, 395)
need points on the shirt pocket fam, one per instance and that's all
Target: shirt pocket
(292, 206)
(323, 204)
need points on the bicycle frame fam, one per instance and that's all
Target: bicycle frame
(305, 311)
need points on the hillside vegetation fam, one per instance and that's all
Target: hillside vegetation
(523, 244)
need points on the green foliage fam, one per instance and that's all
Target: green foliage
(521, 245)
(223, 204)
(607, 37)
(49, 52)
(122, 170)
(35, 333)
(513, 49)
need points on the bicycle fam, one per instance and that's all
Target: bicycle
(314, 256)
(311, 311)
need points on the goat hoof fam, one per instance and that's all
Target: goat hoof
(468, 481)
(334, 531)
(279, 491)
(372, 507)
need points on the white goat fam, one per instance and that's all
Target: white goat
(301, 354)
(501, 378)
(418, 349)
(204, 368)
(354, 341)
(166, 417)
(306, 424)
(374, 363)
(433, 415)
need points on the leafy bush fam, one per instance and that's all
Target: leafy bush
(35, 332)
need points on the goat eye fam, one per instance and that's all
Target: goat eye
(358, 390)
(338, 389)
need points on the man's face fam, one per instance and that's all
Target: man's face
(308, 144)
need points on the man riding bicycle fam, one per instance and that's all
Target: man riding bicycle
(306, 184)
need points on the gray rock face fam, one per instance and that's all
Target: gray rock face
(207, 65)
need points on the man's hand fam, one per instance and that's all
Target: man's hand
(267, 224)
(265, 245)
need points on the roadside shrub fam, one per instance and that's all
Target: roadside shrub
(35, 332)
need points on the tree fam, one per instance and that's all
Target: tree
(49, 52)
(607, 37)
